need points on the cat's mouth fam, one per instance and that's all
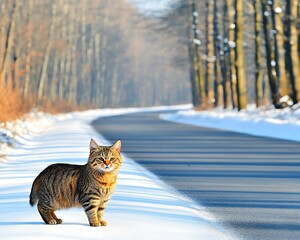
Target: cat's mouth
(106, 168)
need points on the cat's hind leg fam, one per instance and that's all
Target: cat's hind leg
(46, 214)
(58, 220)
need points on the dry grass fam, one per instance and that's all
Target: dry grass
(203, 107)
(12, 103)
(13, 106)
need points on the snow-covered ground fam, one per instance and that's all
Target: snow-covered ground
(274, 123)
(142, 207)
(14, 133)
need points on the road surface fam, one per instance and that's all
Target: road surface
(250, 184)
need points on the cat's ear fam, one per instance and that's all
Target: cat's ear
(93, 146)
(117, 146)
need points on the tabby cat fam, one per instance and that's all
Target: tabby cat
(90, 185)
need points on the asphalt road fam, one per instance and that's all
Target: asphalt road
(250, 184)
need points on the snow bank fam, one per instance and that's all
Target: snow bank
(275, 123)
(142, 207)
(15, 133)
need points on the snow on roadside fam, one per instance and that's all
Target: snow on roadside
(16, 133)
(142, 207)
(274, 123)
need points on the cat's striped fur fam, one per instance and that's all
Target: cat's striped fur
(90, 185)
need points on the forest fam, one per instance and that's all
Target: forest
(67, 54)
(244, 51)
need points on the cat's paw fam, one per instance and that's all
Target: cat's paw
(98, 224)
(95, 224)
(103, 223)
(52, 222)
(58, 221)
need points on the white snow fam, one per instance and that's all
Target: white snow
(278, 10)
(273, 63)
(142, 207)
(197, 41)
(231, 44)
(14, 133)
(266, 13)
(275, 123)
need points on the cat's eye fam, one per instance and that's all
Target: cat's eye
(112, 159)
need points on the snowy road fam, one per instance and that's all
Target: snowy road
(251, 184)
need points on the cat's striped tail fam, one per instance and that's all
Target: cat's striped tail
(33, 196)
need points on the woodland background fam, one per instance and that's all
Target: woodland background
(61, 55)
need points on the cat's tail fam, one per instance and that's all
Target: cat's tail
(33, 194)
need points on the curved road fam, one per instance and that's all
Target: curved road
(251, 184)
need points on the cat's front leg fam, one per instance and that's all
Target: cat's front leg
(90, 205)
(91, 213)
(100, 212)
(100, 215)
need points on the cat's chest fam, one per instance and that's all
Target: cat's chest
(105, 191)
(103, 185)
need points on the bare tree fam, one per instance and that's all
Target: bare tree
(239, 56)
(292, 56)
(210, 57)
(5, 67)
(258, 57)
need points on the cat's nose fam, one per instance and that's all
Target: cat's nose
(106, 161)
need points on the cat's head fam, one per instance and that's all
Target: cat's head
(105, 158)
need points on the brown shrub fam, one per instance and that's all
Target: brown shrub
(12, 103)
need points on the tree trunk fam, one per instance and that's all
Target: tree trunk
(197, 63)
(218, 87)
(210, 58)
(5, 67)
(293, 41)
(284, 84)
(239, 56)
(62, 68)
(98, 70)
(273, 34)
(270, 55)
(231, 56)
(73, 68)
(44, 72)
(225, 59)
(28, 54)
(258, 57)
(54, 82)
